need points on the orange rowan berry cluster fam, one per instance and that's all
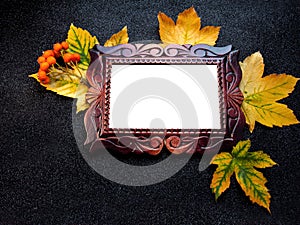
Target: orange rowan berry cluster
(49, 59)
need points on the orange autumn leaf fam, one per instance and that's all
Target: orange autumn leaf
(118, 38)
(186, 30)
(261, 93)
(242, 162)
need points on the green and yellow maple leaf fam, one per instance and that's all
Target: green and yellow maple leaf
(261, 93)
(242, 163)
(186, 30)
(81, 41)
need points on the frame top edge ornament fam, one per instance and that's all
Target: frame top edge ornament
(162, 50)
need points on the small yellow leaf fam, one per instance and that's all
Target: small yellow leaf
(187, 29)
(62, 87)
(81, 103)
(81, 41)
(119, 38)
(261, 93)
(242, 163)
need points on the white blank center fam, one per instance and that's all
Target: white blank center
(198, 83)
(163, 111)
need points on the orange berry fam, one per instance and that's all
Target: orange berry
(51, 60)
(42, 75)
(41, 59)
(46, 80)
(44, 66)
(76, 57)
(57, 47)
(68, 57)
(65, 45)
(48, 53)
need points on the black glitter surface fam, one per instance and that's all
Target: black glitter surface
(45, 180)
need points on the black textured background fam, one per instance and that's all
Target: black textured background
(44, 178)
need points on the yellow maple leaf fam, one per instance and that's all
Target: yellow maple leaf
(261, 93)
(118, 38)
(186, 30)
(242, 163)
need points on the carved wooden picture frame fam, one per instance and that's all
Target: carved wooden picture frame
(152, 141)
